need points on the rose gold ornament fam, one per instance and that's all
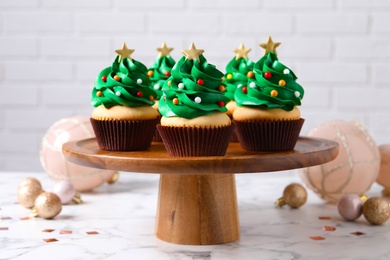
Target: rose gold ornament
(384, 170)
(28, 190)
(47, 205)
(376, 210)
(355, 168)
(350, 206)
(58, 168)
(294, 195)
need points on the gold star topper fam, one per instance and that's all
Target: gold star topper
(192, 53)
(242, 52)
(124, 52)
(270, 46)
(164, 50)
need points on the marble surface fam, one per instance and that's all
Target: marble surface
(123, 214)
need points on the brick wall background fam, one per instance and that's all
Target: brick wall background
(51, 51)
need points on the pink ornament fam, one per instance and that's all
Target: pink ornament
(64, 190)
(384, 169)
(355, 168)
(350, 207)
(58, 168)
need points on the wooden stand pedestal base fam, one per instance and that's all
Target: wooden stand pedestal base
(197, 209)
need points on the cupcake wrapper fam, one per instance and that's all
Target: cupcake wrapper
(124, 135)
(268, 135)
(194, 141)
(156, 136)
(234, 137)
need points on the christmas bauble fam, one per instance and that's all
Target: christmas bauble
(350, 207)
(384, 170)
(48, 205)
(376, 210)
(294, 195)
(355, 168)
(28, 190)
(58, 168)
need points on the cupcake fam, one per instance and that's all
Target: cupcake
(193, 108)
(267, 117)
(158, 74)
(123, 118)
(238, 70)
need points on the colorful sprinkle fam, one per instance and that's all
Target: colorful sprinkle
(118, 93)
(139, 81)
(252, 85)
(286, 71)
(117, 78)
(156, 86)
(274, 93)
(267, 75)
(250, 74)
(104, 78)
(175, 101)
(169, 83)
(150, 73)
(229, 76)
(244, 89)
(200, 82)
(198, 100)
(99, 93)
(222, 88)
(180, 85)
(139, 94)
(220, 103)
(297, 94)
(282, 83)
(151, 98)
(168, 73)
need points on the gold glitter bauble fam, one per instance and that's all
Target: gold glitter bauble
(294, 195)
(48, 205)
(28, 190)
(376, 210)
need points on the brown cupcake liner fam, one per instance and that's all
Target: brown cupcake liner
(234, 137)
(195, 141)
(268, 135)
(124, 135)
(156, 136)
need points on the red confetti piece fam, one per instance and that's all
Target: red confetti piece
(317, 238)
(3, 228)
(324, 218)
(5, 218)
(92, 233)
(50, 240)
(24, 218)
(66, 232)
(358, 233)
(48, 230)
(328, 228)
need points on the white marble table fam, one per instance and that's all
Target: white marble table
(123, 214)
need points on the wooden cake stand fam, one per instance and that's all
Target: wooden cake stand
(197, 202)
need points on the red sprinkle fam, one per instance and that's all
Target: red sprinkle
(200, 82)
(220, 103)
(244, 89)
(168, 73)
(140, 94)
(104, 78)
(267, 75)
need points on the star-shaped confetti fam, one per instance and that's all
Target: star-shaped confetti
(192, 53)
(124, 52)
(164, 50)
(270, 46)
(242, 52)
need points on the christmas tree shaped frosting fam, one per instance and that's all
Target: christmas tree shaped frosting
(160, 71)
(274, 84)
(124, 83)
(238, 70)
(194, 89)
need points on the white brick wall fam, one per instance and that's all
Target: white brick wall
(49, 49)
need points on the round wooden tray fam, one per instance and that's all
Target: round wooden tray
(197, 203)
(307, 152)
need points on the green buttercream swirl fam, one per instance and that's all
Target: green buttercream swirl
(160, 67)
(188, 72)
(259, 89)
(125, 92)
(239, 70)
